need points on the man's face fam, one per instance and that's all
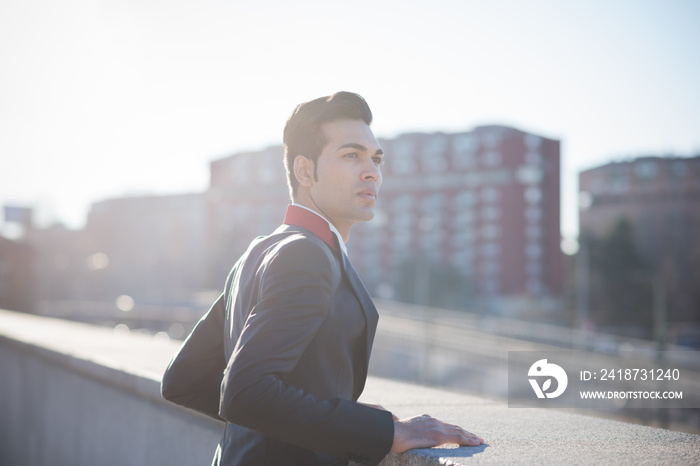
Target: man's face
(349, 174)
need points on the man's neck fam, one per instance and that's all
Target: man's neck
(341, 239)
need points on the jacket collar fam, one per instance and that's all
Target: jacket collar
(301, 216)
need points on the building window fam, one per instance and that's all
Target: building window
(462, 238)
(435, 145)
(492, 138)
(618, 182)
(533, 232)
(490, 195)
(403, 151)
(533, 158)
(241, 173)
(430, 240)
(433, 203)
(597, 185)
(534, 269)
(533, 214)
(464, 148)
(434, 153)
(403, 203)
(491, 213)
(491, 249)
(645, 170)
(490, 267)
(492, 158)
(466, 143)
(403, 220)
(463, 218)
(401, 239)
(533, 195)
(677, 172)
(529, 174)
(533, 250)
(465, 199)
(490, 231)
(533, 142)
(434, 163)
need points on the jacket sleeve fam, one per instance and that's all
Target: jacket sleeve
(193, 378)
(296, 293)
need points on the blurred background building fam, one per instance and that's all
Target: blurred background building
(17, 279)
(247, 197)
(149, 248)
(640, 226)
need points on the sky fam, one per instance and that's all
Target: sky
(110, 98)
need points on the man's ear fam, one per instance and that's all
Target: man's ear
(303, 170)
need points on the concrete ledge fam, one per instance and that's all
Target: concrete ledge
(75, 394)
(527, 435)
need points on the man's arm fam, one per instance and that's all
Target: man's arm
(296, 294)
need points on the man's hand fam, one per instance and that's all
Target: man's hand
(426, 431)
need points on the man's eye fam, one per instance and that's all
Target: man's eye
(351, 155)
(378, 161)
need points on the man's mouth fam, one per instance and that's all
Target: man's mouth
(368, 194)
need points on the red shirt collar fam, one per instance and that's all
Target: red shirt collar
(301, 217)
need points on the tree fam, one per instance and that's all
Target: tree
(620, 281)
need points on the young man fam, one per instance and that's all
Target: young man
(282, 355)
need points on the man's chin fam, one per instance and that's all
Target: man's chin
(365, 215)
(369, 215)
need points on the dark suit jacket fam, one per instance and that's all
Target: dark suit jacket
(292, 334)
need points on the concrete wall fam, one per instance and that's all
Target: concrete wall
(74, 394)
(61, 409)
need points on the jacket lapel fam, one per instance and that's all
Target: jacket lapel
(368, 309)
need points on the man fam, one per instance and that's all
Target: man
(293, 330)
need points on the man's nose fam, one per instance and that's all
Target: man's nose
(371, 172)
